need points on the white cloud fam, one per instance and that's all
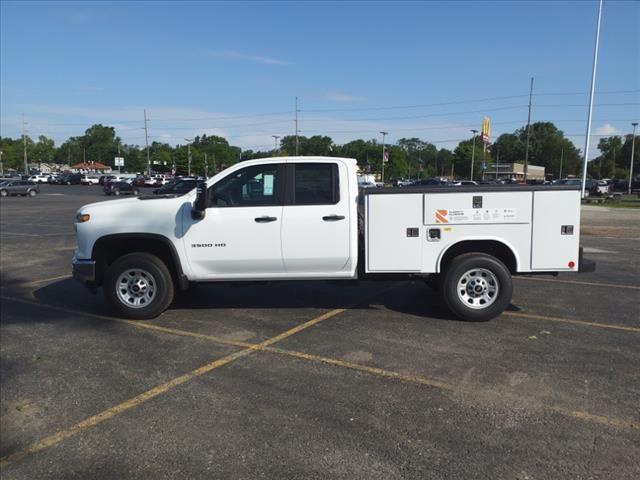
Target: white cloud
(234, 55)
(343, 97)
(607, 129)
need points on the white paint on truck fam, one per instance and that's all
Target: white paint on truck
(297, 218)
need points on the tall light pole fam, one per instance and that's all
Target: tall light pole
(275, 140)
(1, 166)
(297, 126)
(473, 153)
(24, 147)
(384, 134)
(189, 140)
(593, 87)
(633, 151)
(146, 141)
(526, 149)
(561, 159)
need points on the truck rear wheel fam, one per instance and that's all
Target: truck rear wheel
(138, 286)
(477, 287)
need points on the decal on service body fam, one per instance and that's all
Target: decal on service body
(476, 215)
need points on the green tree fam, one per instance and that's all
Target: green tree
(43, 150)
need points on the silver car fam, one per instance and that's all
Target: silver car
(19, 187)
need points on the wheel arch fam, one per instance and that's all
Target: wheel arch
(108, 248)
(499, 249)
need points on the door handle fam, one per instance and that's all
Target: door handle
(265, 219)
(333, 218)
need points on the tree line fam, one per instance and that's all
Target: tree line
(408, 157)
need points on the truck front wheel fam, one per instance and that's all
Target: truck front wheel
(477, 287)
(138, 286)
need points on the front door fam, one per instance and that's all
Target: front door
(239, 237)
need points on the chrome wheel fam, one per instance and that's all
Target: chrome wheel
(478, 288)
(136, 288)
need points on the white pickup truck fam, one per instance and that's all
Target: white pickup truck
(304, 218)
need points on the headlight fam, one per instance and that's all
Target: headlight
(82, 217)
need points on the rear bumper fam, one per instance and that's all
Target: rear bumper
(84, 270)
(585, 265)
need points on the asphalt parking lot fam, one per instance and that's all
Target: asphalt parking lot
(315, 379)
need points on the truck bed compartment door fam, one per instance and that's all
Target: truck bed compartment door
(556, 230)
(394, 232)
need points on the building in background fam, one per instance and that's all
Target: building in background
(515, 171)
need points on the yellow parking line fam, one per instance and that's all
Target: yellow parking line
(577, 282)
(121, 407)
(265, 346)
(158, 390)
(45, 280)
(532, 316)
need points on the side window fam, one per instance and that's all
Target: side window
(258, 185)
(316, 184)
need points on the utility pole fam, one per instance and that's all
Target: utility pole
(297, 127)
(1, 166)
(24, 147)
(384, 134)
(526, 149)
(146, 141)
(591, 93)
(561, 159)
(633, 151)
(275, 138)
(206, 166)
(473, 153)
(188, 140)
(497, 162)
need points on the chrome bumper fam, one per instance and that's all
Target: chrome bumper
(84, 270)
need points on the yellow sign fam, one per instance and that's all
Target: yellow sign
(486, 129)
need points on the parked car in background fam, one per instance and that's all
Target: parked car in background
(120, 188)
(178, 187)
(463, 183)
(139, 181)
(39, 178)
(89, 180)
(69, 179)
(19, 187)
(428, 181)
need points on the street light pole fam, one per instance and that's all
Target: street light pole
(146, 141)
(561, 159)
(297, 126)
(384, 134)
(24, 146)
(473, 153)
(275, 139)
(526, 150)
(633, 151)
(189, 140)
(591, 93)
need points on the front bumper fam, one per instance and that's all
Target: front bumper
(585, 265)
(84, 270)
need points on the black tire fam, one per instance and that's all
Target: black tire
(136, 192)
(32, 193)
(164, 289)
(4, 193)
(454, 274)
(116, 192)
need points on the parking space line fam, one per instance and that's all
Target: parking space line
(577, 282)
(45, 280)
(532, 316)
(156, 391)
(265, 346)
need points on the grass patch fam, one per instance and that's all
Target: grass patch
(627, 201)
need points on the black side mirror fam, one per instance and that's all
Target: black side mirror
(201, 203)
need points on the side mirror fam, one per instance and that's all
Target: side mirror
(201, 203)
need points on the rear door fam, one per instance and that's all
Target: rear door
(316, 219)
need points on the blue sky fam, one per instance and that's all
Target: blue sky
(234, 68)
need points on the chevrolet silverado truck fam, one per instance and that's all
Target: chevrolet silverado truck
(304, 218)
